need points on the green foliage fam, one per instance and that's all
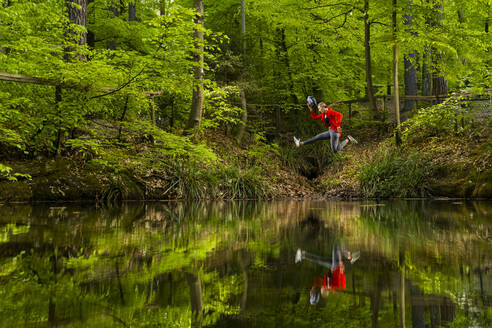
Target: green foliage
(260, 152)
(397, 173)
(218, 111)
(149, 55)
(448, 117)
(5, 173)
(246, 183)
(191, 180)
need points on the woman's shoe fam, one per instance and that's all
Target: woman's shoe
(352, 139)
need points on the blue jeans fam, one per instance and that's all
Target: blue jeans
(333, 136)
(336, 258)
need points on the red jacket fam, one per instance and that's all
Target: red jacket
(334, 119)
(338, 280)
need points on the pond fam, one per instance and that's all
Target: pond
(411, 263)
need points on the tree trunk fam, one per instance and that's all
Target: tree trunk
(111, 43)
(285, 58)
(402, 291)
(439, 82)
(243, 30)
(77, 14)
(132, 12)
(410, 72)
(396, 91)
(376, 302)
(418, 310)
(244, 114)
(162, 7)
(367, 53)
(410, 76)
(244, 117)
(52, 297)
(426, 75)
(195, 287)
(195, 117)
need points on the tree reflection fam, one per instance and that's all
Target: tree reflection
(232, 264)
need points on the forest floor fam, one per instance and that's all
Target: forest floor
(460, 166)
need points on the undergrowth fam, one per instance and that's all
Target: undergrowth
(397, 173)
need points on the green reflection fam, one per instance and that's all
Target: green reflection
(229, 264)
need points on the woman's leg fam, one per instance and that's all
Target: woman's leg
(333, 140)
(334, 137)
(322, 136)
(336, 256)
(317, 259)
(342, 144)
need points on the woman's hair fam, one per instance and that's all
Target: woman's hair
(322, 106)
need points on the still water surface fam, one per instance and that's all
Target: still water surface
(412, 264)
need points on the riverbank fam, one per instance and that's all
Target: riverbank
(375, 169)
(446, 151)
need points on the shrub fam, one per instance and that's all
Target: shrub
(396, 173)
(450, 116)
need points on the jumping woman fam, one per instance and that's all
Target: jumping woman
(331, 119)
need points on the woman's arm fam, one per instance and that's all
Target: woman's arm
(314, 116)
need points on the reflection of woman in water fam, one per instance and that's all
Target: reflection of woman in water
(334, 279)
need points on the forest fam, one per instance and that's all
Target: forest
(111, 100)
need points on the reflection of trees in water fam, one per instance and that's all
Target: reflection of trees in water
(113, 262)
(134, 265)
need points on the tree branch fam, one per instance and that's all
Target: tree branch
(119, 88)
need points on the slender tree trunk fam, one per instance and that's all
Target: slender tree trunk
(410, 73)
(125, 107)
(435, 316)
(162, 7)
(120, 286)
(439, 82)
(402, 291)
(243, 29)
(152, 111)
(418, 310)
(367, 52)
(132, 11)
(376, 302)
(285, 58)
(195, 117)
(396, 92)
(410, 76)
(52, 297)
(58, 99)
(244, 114)
(426, 75)
(77, 14)
(244, 296)
(111, 43)
(91, 37)
(195, 287)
